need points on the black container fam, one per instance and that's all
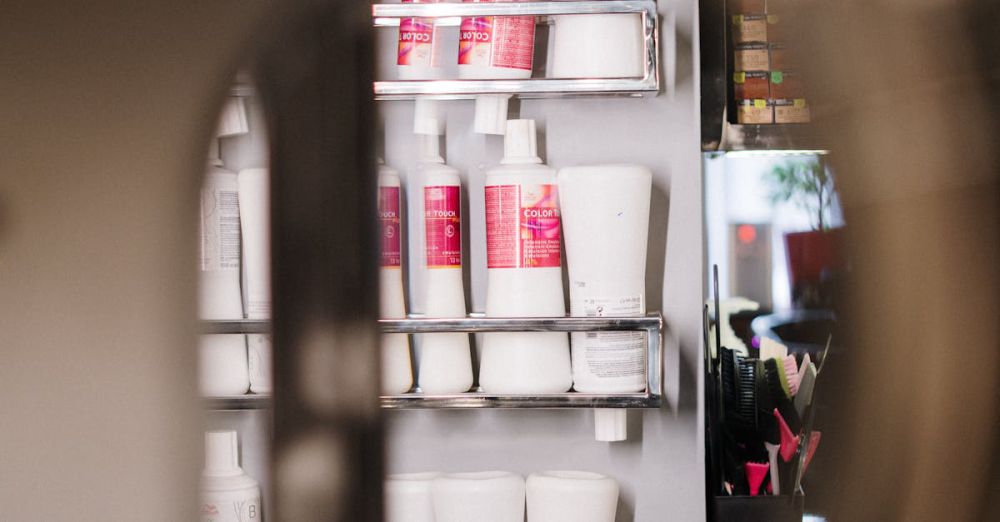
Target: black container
(759, 509)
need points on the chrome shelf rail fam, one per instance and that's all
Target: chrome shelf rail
(236, 326)
(651, 324)
(250, 401)
(388, 15)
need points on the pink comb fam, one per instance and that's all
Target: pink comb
(805, 364)
(811, 450)
(792, 374)
(755, 476)
(789, 442)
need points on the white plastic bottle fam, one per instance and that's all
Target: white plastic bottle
(223, 368)
(445, 360)
(419, 58)
(598, 46)
(605, 212)
(524, 270)
(227, 493)
(495, 47)
(255, 223)
(397, 374)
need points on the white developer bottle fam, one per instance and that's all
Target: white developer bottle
(524, 270)
(445, 360)
(495, 47)
(397, 375)
(255, 220)
(228, 494)
(222, 365)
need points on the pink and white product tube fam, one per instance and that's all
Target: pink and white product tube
(397, 373)
(419, 58)
(254, 220)
(445, 359)
(228, 494)
(524, 270)
(490, 48)
(222, 364)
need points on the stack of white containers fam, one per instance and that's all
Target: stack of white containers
(500, 496)
(234, 269)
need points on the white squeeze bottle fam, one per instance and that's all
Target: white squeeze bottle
(255, 220)
(397, 375)
(605, 210)
(222, 359)
(445, 359)
(524, 276)
(490, 48)
(228, 494)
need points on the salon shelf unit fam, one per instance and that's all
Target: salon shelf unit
(388, 15)
(651, 324)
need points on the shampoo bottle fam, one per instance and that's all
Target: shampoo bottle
(419, 58)
(490, 48)
(524, 270)
(255, 207)
(222, 368)
(227, 493)
(397, 375)
(445, 360)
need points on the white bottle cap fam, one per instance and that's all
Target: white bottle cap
(427, 118)
(222, 454)
(610, 425)
(520, 143)
(491, 114)
(429, 149)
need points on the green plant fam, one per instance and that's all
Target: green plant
(808, 185)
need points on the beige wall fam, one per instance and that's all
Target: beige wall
(105, 113)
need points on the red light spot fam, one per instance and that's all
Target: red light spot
(746, 234)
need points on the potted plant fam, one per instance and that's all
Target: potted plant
(813, 255)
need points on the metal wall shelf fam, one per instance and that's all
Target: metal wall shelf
(388, 15)
(250, 401)
(236, 326)
(652, 324)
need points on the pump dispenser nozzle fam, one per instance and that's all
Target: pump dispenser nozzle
(429, 149)
(221, 454)
(427, 117)
(520, 144)
(491, 114)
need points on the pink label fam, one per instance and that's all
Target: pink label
(416, 39)
(388, 217)
(443, 222)
(497, 41)
(522, 226)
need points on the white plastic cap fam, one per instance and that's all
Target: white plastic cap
(429, 149)
(233, 120)
(222, 454)
(491, 114)
(520, 143)
(610, 425)
(427, 117)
